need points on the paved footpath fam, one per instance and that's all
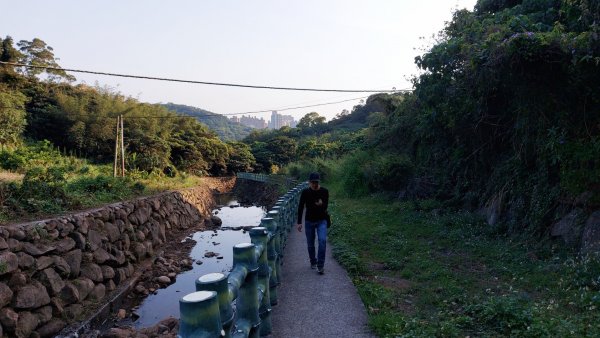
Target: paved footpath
(312, 305)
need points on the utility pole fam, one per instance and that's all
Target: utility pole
(119, 143)
(116, 148)
(122, 149)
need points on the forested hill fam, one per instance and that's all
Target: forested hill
(362, 113)
(37, 105)
(227, 130)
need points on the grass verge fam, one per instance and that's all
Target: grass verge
(424, 273)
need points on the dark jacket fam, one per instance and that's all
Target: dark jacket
(316, 202)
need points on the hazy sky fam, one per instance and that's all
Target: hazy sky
(337, 44)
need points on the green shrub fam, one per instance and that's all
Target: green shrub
(11, 160)
(138, 187)
(392, 172)
(53, 183)
(88, 170)
(170, 171)
(95, 184)
(353, 171)
(301, 170)
(504, 314)
(580, 166)
(136, 174)
(43, 190)
(103, 189)
(37, 154)
(294, 169)
(365, 172)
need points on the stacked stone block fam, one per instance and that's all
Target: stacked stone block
(51, 271)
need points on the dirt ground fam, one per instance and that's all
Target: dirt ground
(7, 176)
(172, 259)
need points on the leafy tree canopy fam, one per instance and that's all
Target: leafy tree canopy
(37, 53)
(311, 120)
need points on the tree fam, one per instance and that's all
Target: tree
(241, 158)
(37, 53)
(8, 53)
(344, 112)
(283, 149)
(311, 120)
(148, 153)
(12, 116)
(492, 6)
(217, 154)
(311, 148)
(263, 156)
(188, 151)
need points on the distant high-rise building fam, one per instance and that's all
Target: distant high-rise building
(254, 122)
(250, 121)
(278, 121)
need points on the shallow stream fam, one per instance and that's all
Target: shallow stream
(236, 219)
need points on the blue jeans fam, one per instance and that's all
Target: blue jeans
(320, 227)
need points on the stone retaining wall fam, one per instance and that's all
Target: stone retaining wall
(51, 270)
(576, 223)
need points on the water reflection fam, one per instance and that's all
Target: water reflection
(165, 302)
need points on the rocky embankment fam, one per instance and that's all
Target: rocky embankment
(57, 271)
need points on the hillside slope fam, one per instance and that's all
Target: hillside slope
(227, 130)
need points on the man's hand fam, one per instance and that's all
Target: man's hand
(299, 227)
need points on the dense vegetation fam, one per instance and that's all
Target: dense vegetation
(506, 111)
(58, 141)
(81, 120)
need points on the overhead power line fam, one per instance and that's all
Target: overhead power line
(299, 107)
(205, 82)
(215, 114)
(251, 112)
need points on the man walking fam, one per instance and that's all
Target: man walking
(316, 199)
